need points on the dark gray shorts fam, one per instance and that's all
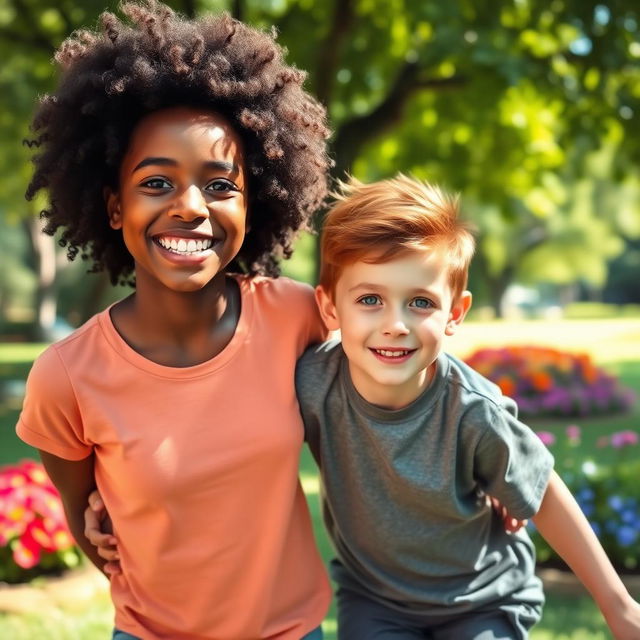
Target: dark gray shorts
(360, 618)
(316, 634)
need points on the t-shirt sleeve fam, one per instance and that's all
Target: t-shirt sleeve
(511, 463)
(304, 393)
(300, 301)
(50, 419)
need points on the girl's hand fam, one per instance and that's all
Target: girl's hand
(99, 531)
(511, 524)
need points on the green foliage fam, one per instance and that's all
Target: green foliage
(527, 108)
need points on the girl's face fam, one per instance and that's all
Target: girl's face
(182, 198)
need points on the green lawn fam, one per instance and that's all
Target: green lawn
(616, 344)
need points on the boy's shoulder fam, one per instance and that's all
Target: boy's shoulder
(320, 356)
(318, 366)
(472, 388)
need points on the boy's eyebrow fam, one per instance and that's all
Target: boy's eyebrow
(380, 287)
(221, 165)
(366, 285)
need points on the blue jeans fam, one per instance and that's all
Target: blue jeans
(316, 634)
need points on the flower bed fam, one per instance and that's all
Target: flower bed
(547, 382)
(608, 494)
(34, 537)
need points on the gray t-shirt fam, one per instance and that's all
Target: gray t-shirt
(403, 490)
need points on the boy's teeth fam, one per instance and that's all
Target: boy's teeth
(392, 354)
(180, 245)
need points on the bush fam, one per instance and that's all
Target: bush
(547, 382)
(608, 494)
(34, 537)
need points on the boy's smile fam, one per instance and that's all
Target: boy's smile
(393, 317)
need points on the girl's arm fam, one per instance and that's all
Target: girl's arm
(75, 481)
(563, 525)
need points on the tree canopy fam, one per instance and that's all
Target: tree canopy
(527, 107)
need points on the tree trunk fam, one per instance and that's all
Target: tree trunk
(44, 261)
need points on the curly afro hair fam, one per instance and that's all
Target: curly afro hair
(113, 77)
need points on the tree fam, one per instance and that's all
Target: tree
(504, 100)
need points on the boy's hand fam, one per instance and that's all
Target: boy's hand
(624, 621)
(511, 524)
(99, 531)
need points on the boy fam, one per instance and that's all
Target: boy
(409, 440)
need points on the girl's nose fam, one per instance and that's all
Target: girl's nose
(191, 205)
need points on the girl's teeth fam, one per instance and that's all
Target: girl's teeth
(185, 246)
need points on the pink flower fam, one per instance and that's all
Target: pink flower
(31, 514)
(547, 437)
(574, 432)
(624, 439)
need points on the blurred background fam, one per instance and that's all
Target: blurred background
(528, 108)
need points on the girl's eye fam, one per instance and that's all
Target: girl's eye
(369, 300)
(421, 303)
(221, 186)
(156, 183)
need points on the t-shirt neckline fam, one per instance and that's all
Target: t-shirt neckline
(420, 405)
(117, 342)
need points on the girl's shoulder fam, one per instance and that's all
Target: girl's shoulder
(281, 290)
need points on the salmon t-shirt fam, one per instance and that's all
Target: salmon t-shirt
(198, 467)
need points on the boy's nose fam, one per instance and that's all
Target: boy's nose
(191, 204)
(395, 325)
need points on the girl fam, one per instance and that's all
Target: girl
(183, 155)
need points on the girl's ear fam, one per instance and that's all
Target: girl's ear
(112, 201)
(458, 311)
(327, 309)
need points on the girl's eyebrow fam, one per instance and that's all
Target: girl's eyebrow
(221, 165)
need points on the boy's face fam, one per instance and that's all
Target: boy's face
(393, 317)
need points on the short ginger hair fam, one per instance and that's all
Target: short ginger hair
(114, 76)
(383, 220)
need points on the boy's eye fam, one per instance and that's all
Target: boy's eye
(369, 300)
(156, 183)
(421, 303)
(221, 186)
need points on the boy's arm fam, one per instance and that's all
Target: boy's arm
(563, 525)
(75, 480)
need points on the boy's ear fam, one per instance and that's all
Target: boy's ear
(327, 309)
(458, 311)
(112, 201)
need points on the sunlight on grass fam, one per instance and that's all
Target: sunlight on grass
(310, 484)
(614, 340)
(20, 352)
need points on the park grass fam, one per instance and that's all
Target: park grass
(615, 344)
